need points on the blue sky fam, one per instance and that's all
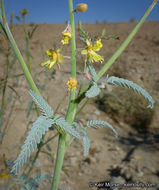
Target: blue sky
(56, 11)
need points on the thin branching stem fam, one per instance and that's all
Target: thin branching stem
(109, 63)
(63, 138)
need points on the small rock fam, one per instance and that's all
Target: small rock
(80, 174)
(115, 166)
(97, 112)
(72, 160)
(93, 159)
(78, 153)
(37, 163)
(140, 174)
(116, 182)
(128, 175)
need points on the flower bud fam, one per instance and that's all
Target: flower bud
(81, 7)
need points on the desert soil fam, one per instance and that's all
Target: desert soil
(130, 158)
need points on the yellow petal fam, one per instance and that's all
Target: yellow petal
(44, 63)
(68, 34)
(97, 46)
(65, 40)
(60, 58)
(49, 52)
(88, 42)
(84, 52)
(95, 57)
(51, 64)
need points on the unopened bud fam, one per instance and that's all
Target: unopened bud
(81, 7)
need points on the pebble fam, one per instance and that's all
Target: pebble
(140, 174)
(117, 181)
(97, 112)
(37, 163)
(72, 160)
(93, 159)
(127, 175)
(80, 174)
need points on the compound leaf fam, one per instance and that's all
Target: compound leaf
(40, 127)
(128, 84)
(86, 144)
(64, 125)
(43, 105)
(93, 72)
(93, 91)
(98, 123)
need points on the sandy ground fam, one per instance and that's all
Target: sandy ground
(133, 156)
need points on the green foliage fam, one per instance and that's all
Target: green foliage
(2, 30)
(93, 91)
(86, 144)
(31, 32)
(83, 35)
(130, 108)
(67, 127)
(103, 32)
(40, 127)
(128, 84)
(43, 105)
(92, 72)
(35, 182)
(86, 141)
(98, 123)
(29, 108)
(18, 18)
(111, 37)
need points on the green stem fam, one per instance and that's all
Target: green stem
(16, 51)
(3, 13)
(4, 88)
(83, 105)
(126, 42)
(63, 138)
(116, 54)
(119, 51)
(37, 154)
(33, 162)
(83, 79)
(21, 60)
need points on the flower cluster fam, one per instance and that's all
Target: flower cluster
(90, 51)
(55, 56)
(72, 84)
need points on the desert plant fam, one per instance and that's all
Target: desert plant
(67, 127)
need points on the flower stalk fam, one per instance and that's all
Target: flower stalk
(126, 42)
(17, 52)
(71, 111)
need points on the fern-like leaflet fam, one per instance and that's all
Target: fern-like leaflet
(98, 123)
(83, 35)
(86, 141)
(64, 125)
(40, 127)
(86, 144)
(35, 182)
(93, 91)
(92, 72)
(126, 83)
(43, 105)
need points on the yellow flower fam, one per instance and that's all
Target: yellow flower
(72, 84)
(55, 57)
(4, 175)
(65, 37)
(24, 12)
(90, 51)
